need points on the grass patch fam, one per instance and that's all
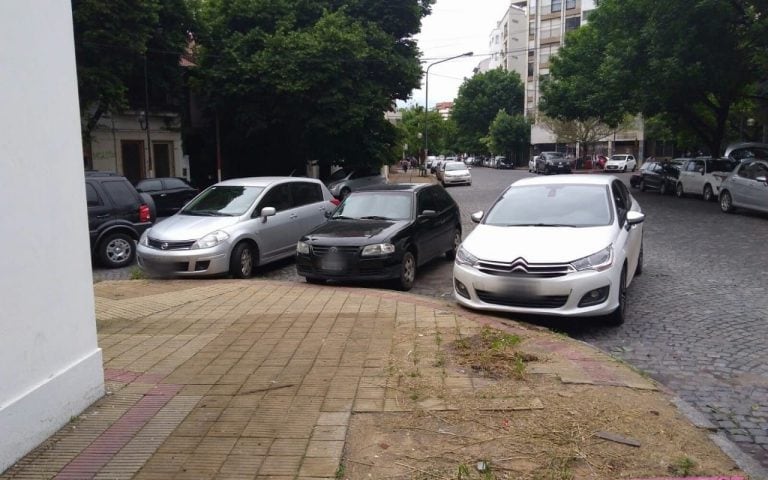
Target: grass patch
(683, 466)
(137, 274)
(494, 353)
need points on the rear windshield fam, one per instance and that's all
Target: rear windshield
(455, 166)
(339, 174)
(223, 201)
(552, 205)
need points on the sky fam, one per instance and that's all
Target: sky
(453, 28)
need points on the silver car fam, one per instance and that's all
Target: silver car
(345, 180)
(235, 225)
(746, 187)
(455, 173)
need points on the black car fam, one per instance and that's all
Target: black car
(659, 176)
(552, 162)
(168, 193)
(117, 216)
(382, 233)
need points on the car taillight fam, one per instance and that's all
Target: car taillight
(144, 213)
(336, 202)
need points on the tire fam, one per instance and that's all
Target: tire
(639, 268)
(455, 242)
(625, 169)
(241, 261)
(634, 168)
(679, 192)
(663, 188)
(642, 185)
(117, 250)
(315, 280)
(708, 194)
(726, 202)
(407, 272)
(344, 193)
(619, 315)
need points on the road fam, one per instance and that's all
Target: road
(698, 316)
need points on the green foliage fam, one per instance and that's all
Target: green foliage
(412, 128)
(478, 103)
(683, 466)
(508, 133)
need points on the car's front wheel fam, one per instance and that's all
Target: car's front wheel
(407, 272)
(726, 202)
(455, 242)
(679, 192)
(642, 185)
(241, 260)
(708, 194)
(117, 250)
(663, 188)
(618, 316)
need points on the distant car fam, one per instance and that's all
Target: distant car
(532, 164)
(346, 180)
(382, 233)
(430, 161)
(552, 162)
(456, 173)
(504, 163)
(566, 246)
(440, 170)
(746, 187)
(168, 193)
(703, 176)
(435, 165)
(117, 216)
(659, 176)
(236, 225)
(621, 163)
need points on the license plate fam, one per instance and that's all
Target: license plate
(333, 263)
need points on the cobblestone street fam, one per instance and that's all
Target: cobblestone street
(697, 315)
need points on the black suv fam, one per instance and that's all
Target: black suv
(168, 193)
(117, 216)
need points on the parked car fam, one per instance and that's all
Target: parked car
(703, 176)
(346, 180)
(566, 246)
(746, 187)
(456, 173)
(659, 176)
(621, 163)
(532, 163)
(236, 225)
(382, 233)
(435, 166)
(117, 216)
(168, 193)
(552, 162)
(505, 163)
(430, 161)
(440, 171)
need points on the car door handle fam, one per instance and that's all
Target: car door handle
(294, 216)
(105, 215)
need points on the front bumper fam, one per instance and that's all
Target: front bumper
(564, 168)
(457, 180)
(558, 296)
(209, 261)
(349, 268)
(615, 168)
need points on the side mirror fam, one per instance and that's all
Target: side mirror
(428, 214)
(633, 218)
(700, 170)
(477, 216)
(267, 212)
(762, 179)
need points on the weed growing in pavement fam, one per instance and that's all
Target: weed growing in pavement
(137, 274)
(683, 466)
(340, 471)
(463, 472)
(440, 361)
(493, 352)
(519, 368)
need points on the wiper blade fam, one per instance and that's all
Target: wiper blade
(538, 225)
(342, 217)
(207, 213)
(374, 217)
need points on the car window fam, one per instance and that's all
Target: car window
(176, 183)
(121, 192)
(278, 197)
(339, 174)
(443, 199)
(363, 172)
(620, 201)
(694, 165)
(92, 196)
(744, 169)
(427, 201)
(754, 170)
(223, 201)
(552, 205)
(721, 165)
(305, 193)
(625, 194)
(150, 185)
(376, 206)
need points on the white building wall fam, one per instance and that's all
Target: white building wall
(50, 363)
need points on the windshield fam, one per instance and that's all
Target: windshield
(553, 155)
(552, 205)
(223, 201)
(619, 158)
(376, 206)
(340, 174)
(455, 166)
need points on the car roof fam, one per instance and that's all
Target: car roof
(261, 181)
(572, 179)
(395, 187)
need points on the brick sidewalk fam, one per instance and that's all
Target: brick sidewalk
(254, 379)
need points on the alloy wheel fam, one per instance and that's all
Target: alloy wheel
(118, 250)
(246, 262)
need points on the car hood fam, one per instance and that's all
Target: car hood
(537, 244)
(355, 232)
(189, 227)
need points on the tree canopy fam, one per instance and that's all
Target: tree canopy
(509, 134)
(479, 100)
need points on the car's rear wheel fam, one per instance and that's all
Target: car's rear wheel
(407, 272)
(117, 250)
(455, 242)
(242, 260)
(679, 192)
(663, 188)
(642, 185)
(726, 202)
(618, 316)
(708, 194)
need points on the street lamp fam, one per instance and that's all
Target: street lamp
(426, 99)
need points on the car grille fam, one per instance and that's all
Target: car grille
(165, 245)
(520, 267)
(322, 250)
(612, 167)
(528, 301)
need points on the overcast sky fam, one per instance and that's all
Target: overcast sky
(455, 27)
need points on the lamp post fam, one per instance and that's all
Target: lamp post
(426, 99)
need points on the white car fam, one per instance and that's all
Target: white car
(532, 164)
(455, 173)
(565, 246)
(703, 176)
(621, 163)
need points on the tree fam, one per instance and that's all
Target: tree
(479, 100)
(509, 135)
(307, 80)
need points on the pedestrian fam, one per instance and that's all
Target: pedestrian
(405, 167)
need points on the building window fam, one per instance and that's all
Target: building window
(570, 4)
(531, 28)
(530, 69)
(530, 53)
(586, 14)
(572, 23)
(557, 5)
(550, 28)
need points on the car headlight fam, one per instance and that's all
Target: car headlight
(210, 240)
(599, 261)
(302, 248)
(463, 257)
(378, 249)
(144, 240)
